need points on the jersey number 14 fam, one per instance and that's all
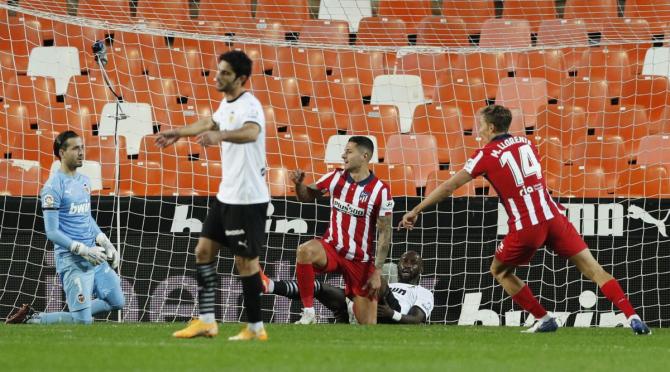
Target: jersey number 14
(529, 164)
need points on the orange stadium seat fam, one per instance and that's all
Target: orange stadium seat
(293, 152)
(80, 37)
(279, 183)
(474, 13)
(25, 35)
(443, 122)
(534, 11)
(410, 11)
(651, 181)
(34, 145)
(37, 93)
(607, 152)
(593, 12)
(147, 179)
(621, 31)
(606, 64)
(16, 180)
(443, 32)
(588, 182)
(554, 153)
(510, 33)
(291, 13)
(650, 92)
(655, 12)
(317, 124)
(276, 92)
(44, 5)
(264, 57)
(628, 122)
(382, 31)
(342, 95)
(8, 70)
(105, 10)
(363, 65)
(490, 68)
(526, 94)
(427, 66)
(654, 150)
(545, 64)
(325, 31)
(230, 15)
(564, 122)
(468, 94)
(562, 32)
(102, 149)
(17, 119)
(89, 91)
(593, 96)
(206, 177)
(306, 65)
(379, 121)
(418, 151)
(400, 178)
(173, 14)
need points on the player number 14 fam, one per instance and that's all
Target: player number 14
(529, 164)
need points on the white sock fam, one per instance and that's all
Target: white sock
(207, 318)
(255, 327)
(308, 310)
(634, 316)
(545, 318)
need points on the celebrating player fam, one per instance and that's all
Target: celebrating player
(360, 203)
(236, 219)
(81, 249)
(511, 165)
(405, 302)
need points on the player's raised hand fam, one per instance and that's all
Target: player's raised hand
(209, 138)
(408, 220)
(297, 176)
(373, 284)
(167, 138)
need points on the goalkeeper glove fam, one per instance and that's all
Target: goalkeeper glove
(110, 250)
(94, 255)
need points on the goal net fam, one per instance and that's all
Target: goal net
(586, 81)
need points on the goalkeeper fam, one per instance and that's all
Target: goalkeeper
(81, 249)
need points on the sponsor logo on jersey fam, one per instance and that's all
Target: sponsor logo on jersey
(348, 208)
(80, 208)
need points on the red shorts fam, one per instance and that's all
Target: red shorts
(558, 234)
(355, 273)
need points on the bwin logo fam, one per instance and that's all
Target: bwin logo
(638, 213)
(80, 208)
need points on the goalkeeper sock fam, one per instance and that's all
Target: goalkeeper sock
(612, 290)
(289, 288)
(528, 302)
(99, 306)
(305, 275)
(206, 287)
(252, 288)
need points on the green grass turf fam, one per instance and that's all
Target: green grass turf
(149, 347)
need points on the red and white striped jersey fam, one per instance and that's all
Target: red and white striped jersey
(355, 207)
(511, 165)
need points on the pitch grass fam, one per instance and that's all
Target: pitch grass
(149, 347)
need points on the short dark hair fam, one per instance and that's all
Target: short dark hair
(239, 62)
(364, 142)
(61, 141)
(499, 116)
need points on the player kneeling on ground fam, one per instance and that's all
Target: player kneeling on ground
(404, 302)
(81, 249)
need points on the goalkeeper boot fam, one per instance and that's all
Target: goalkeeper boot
(308, 316)
(549, 325)
(22, 315)
(196, 328)
(638, 326)
(248, 335)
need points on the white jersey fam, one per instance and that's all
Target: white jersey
(410, 295)
(242, 165)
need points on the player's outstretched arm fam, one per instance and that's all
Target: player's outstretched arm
(414, 316)
(440, 193)
(303, 192)
(94, 255)
(171, 136)
(248, 133)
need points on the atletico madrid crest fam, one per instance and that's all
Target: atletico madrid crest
(364, 197)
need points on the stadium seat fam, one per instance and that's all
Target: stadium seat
(544, 64)
(655, 12)
(382, 31)
(276, 92)
(505, 33)
(336, 145)
(593, 12)
(206, 177)
(105, 10)
(291, 13)
(474, 13)
(442, 32)
(606, 64)
(562, 121)
(628, 122)
(400, 178)
(587, 182)
(293, 151)
(230, 15)
(443, 122)
(279, 183)
(306, 65)
(341, 95)
(80, 37)
(418, 151)
(403, 91)
(650, 92)
(59, 63)
(147, 179)
(410, 11)
(429, 67)
(351, 11)
(362, 65)
(646, 181)
(19, 178)
(490, 68)
(89, 91)
(36, 146)
(468, 94)
(329, 32)
(8, 70)
(620, 32)
(23, 36)
(593, 96)
(654, 150)
(37, 93)
(137, 124)
(379, 122)
(173, 15)
(102, 149)
(526, 94)
(317, 124)
(562, 32)
(533, 11)
(607, 152)
(264, 57)
(16, 119)
(554, 153)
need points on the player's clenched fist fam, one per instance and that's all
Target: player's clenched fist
(408, 220)
(297, 176)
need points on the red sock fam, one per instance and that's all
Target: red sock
(528, 302)
(305, 274)
(612, 290)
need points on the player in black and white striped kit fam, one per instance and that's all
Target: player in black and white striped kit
(236, 218)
